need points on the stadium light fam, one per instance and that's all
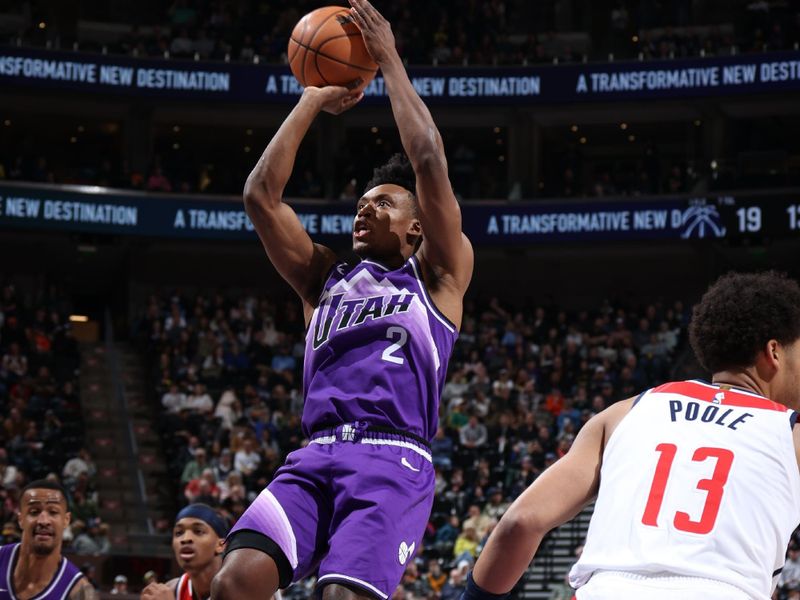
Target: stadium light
(78, 319)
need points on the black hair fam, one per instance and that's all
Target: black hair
(45, 484)
(739, 314)
(397, 170)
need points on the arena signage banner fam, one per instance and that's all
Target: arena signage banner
(240, 82)
(102, 210)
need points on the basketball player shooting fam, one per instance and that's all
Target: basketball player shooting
(354, 503)
(697, 484)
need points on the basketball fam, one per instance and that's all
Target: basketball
(326, 48)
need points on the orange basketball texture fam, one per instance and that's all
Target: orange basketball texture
(326, 48)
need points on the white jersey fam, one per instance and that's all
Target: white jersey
(697, 480)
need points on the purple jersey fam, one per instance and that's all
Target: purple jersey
(66, 576)
(376, 351)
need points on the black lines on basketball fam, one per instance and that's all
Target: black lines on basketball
(326, 48)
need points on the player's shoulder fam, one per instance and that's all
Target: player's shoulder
(607, 421)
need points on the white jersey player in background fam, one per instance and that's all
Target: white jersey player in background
(697, 484)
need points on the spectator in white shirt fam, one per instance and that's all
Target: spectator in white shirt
(79, 464)
(174, 400)
(200, 400)
(247, 459)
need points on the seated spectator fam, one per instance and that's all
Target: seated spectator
(82, 506)
(8, 472)
(199, 400)
(466, 546)
(223, 465)
(247, 459)
(473, 435)
(229, 409)
(477, 521)
(442, 450)
(496, 507)
(91, 538)
(120, 586)
(203, 489)
(455, 586)
(435, 578)
(158, 182)
(195, 467)
(76, 466)
(174, 400)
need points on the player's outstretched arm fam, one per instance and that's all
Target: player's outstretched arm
(83, 590)
(444, 246)
(300, 262)
(554, 498)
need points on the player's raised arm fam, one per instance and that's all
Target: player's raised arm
(554, 498)
(301, 262)
(444, 246)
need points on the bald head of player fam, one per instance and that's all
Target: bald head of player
(746, 332)
(43, 516)
(386, 226)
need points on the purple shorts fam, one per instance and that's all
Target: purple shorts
(352, 504)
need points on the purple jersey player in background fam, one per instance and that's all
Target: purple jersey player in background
(352, 506)
(35, 568)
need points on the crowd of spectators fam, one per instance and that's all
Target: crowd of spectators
(42, 434)
(494, 32)
(226, 372)
(474, 176)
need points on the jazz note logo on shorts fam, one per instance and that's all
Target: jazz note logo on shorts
(405, 552)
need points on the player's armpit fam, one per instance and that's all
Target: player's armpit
(83, 590)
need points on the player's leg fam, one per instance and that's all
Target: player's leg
(381, 505)
(243, 571)
(277, 540)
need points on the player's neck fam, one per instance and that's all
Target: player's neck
(390, 262)
(33, 571)
(744, 380)
(201, 580)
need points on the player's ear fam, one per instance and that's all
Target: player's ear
(774, 353)
(220, 547)
(769, 359)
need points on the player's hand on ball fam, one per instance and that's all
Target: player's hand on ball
(377, 32)
(333, 99)
(158, 591)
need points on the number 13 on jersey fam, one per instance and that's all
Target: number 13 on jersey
(714, 488)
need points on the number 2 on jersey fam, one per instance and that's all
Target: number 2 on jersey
(714, 488)
(400, 336)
